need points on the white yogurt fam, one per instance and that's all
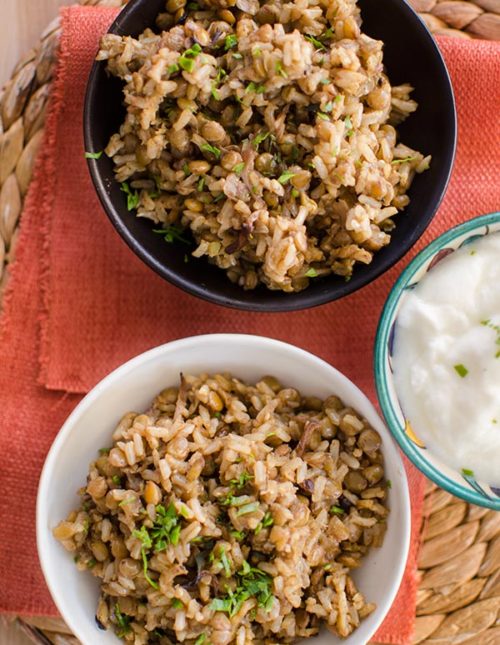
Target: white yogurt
(447, 359)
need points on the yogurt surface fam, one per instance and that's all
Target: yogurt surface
(446, 359)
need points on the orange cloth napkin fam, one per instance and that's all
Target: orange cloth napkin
(79, 302)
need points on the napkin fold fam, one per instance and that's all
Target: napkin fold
(79, 303)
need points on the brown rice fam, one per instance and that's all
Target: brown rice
(231, 514)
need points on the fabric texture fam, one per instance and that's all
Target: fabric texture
(79, 303)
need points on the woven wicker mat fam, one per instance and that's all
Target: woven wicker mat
(459, 595)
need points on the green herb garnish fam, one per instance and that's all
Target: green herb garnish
(267, 521)
(388, 483)
(177, 604)
(295, 192)
(186, 60)
(318, 44)
(239, 536)
(207, 147)
(467, 472)
(336, 510)
(242, 480)
(279, 69)
(117, 480)
(237, 55)
(311, 273)
(230, 41)
(259, 138)
(126, 501)
(322, 116)
(166, 530)
(394, 162)
(286, 176)
(91, 563)
(254, 87)
(201, 184)
(172, 69)
(172, 234)
(94, 155)
(104, 451)
(238, 169)
(461, 370)
(252, 583)
(200, 640)
(132, 197)
(186, 170)
(226, 563)
(123, 622)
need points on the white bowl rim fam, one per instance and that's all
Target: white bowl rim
(53, 455)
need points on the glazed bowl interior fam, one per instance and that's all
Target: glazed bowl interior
(132, 386)
(460, 484)
(411, 55)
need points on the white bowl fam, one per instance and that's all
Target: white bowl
(132, 387)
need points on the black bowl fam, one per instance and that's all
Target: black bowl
(411, 55)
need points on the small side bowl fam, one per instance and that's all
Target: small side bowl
(410, 55)
(464, 486)
(133, 386)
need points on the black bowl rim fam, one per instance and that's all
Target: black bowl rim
(322, 297)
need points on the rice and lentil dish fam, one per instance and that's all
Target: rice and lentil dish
(267, 129)
(231, 513)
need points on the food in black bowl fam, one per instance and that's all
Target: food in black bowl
(281, 145)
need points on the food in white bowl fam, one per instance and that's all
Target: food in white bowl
(446, 358)
(231, 513)
(136, 383)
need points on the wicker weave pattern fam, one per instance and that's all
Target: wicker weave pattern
(459, 596)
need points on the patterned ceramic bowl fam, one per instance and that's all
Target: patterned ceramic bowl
(458, 483)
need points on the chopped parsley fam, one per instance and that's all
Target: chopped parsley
(267, 521)
(254, 87)
(165, 530)
(238, 169)
(322, 116)
(239, 536)
(467, 472)
(91, 563)
(311, 273)
(172, 234)
(201, 184)
(132, 197)
(93, 155)
(117, 480)
(207, 147)
(123, 622)
(461, 370)
(259, 138)
(127, 501)
(172, 69)
(388, 483)
(279, 69)
(295, 192)
(395, 162)
(336, 510)
(242, 480)
(317, 43)
(201, 640)
(257, 52)
(186, 170)
(286, 176)
(177, 604)
(226, 563)
(252, 583)
(230, 41)
(186, 60)
(104, 451)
